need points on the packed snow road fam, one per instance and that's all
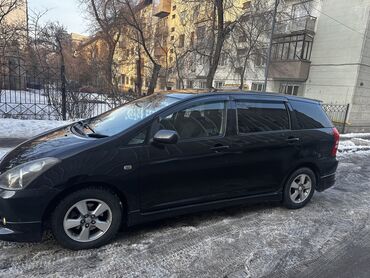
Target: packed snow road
(251, 241)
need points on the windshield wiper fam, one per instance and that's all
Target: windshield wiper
(86, 125)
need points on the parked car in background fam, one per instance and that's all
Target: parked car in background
(165, 155)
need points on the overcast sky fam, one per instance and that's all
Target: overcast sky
(66, 12)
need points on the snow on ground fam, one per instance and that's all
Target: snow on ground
(12, 128)
(354, 135)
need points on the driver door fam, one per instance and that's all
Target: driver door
(195, 169)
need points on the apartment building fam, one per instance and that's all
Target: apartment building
(320, 50)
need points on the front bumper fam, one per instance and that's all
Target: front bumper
(21, 232)
(22, 213)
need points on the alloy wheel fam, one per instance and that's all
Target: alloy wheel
(87, 220)
(300, 188)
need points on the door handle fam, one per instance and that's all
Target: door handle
(220, 148)
(293, 140)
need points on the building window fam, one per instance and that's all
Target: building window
(183, 16)
(173, 16)
(192, 39)
(219, 84)
(181, 41)
(247, 5)
(258, 87)
(223, 60)
(172, 51)
(292, 48)
(173, 29)
(260, 59)
(203, 84)
(201, 33)
(289, 89)
(190, 84)
(301, 9)
(242, 38)
(196, 12)
(174, 7)
(122, 79)
(172, 38)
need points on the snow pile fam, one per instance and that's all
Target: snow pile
(12, 128)
(354, 145)
(355, 135)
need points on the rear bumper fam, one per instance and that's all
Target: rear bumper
(326, 182)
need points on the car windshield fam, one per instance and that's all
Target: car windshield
(124, 117)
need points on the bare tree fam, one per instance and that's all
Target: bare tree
(247, 42)
(144, 37)
(105, 19)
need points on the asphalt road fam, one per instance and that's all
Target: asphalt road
(328, 238)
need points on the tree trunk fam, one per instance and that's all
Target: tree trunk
(241, 87)
(139, 79)
(154, 79)
(109, 66)
(219, 44)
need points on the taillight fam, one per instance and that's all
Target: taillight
(336, 136)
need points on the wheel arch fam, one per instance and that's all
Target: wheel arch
(312, 166)
(76, 187)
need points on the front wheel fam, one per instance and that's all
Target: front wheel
(299, 188)
(88, 218)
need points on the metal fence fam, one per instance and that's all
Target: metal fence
(45, 94)
(338, 114)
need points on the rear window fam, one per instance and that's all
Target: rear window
(310, 115)
(260, 117)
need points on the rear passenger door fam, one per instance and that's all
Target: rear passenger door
(264, 146)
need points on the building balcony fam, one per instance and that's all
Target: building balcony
(290, 70)
(301, 25)
(162, 8)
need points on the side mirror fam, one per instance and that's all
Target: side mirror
(166, 137)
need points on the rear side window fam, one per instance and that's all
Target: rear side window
(310, 115)
(260, 117)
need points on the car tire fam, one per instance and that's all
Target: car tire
(299, 188)
(88, 218)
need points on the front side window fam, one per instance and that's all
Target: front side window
(261, 117)
(198, 121)
(124, 117)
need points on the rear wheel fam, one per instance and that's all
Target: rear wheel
(87, 218)
(299, 188)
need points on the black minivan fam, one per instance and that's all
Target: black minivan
(165, 155)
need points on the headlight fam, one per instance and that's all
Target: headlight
(22, 175)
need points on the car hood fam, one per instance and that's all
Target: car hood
(57, 143)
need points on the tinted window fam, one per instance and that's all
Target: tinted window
(310, 115)
(198, 121)
(260, 117)
(139, 138)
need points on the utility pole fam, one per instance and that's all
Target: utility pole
(268, 62)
